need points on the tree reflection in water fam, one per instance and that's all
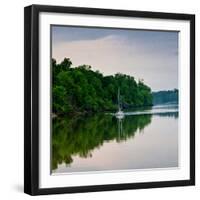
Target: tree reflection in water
(80, 135)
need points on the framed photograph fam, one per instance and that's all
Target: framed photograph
(109, 99)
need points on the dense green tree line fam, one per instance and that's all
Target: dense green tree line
(165, 96)
(80, 89)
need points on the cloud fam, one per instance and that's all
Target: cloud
(156, 63)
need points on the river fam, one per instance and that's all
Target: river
(143, 139)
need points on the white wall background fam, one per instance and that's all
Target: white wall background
(11, 98)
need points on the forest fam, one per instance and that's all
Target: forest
(81, 90)
(165, 96)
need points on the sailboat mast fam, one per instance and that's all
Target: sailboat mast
(119, 99)
(119, 114)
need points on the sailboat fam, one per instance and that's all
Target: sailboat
(119, 114)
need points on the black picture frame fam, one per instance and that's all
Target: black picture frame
(31, 98)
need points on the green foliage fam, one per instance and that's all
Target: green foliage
(80, 89)
(163, 97)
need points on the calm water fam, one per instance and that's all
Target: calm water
(143, 139)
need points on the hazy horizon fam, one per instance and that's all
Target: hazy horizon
(148, 55)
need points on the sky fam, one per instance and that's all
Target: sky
(148, 55)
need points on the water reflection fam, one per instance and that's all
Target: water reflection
(168, 114)
(79, 136)
(105, 142)
(120, 127)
